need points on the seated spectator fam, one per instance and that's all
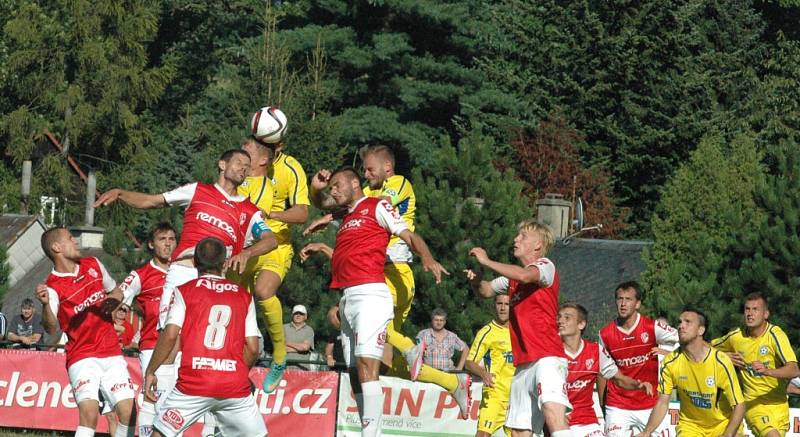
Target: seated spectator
(26, 328)
(299, 337)
(441, 344)
(124, 328)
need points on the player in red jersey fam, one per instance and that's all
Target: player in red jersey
(587, 362)
(216, 320)
(366, 306)
(211, 211)
(79, 295)
(538, 394)
(633, 341)
(145, 285)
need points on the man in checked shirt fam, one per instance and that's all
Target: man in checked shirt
(442, 344)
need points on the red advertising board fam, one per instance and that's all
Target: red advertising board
(35, 394)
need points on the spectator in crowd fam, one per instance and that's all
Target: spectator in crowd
(3, 326)
(124, 328)
(441, 344)
(26, 327)
(299, 337)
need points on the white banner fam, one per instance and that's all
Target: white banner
(411, 409)
(415, 409)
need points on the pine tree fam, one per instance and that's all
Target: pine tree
(708, 199)
(463, 201)
(766, 253)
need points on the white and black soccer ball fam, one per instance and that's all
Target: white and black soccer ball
(268, 125)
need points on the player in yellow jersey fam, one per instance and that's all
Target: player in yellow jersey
(379, 165)
(492, 346)
(701, 374)
(766, 361)
(289, 205)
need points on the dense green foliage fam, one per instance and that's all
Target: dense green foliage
(670, 106)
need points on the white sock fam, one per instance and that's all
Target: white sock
(122, 430)
(209, 423)
(83, 431)
(373, 409)
(562, 433)
(147, 415)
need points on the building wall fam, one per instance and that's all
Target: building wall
(26, 252)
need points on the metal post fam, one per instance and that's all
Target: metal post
(26, 186)
(91, 190)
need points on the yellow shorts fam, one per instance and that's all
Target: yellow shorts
(761, 418)
(689, 429)
(278, 261)
(492, 414)
(400, 280)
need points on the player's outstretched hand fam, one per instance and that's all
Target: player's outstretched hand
(108, 197)
(150, 387)
(488, 379)
(480, 254)
(318, 224)
(432, 266)
(42, 294)
(311, 248)
(237, 262)
(320, 180)
(647, 387)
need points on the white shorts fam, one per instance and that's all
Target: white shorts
(534, 384)
(235, 416)
(365, 312)
(620, 423)
(591, 430)
(177, 275)
(109, 375)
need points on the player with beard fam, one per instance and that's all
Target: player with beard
(633, 341)
(366, 307)
(80, 295)
(384, 183)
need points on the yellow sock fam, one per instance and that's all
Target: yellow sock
(398, 340)
(273, 316)
(447, 381)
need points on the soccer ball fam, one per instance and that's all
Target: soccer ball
(268, 125)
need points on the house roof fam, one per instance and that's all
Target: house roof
(12, 226)
(590, 270)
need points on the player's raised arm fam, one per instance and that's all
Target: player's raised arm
(48, 317)
(483, 288)
(523, 275)
(319, 197)
(311, 248)
(131, 198)
(418, 245)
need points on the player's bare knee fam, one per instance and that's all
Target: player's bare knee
(88, 412)
(267, 284)
(555, 416)
(124, 410)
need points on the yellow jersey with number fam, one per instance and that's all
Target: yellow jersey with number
(771, 348)
(289, 188)
(700, 386)
(401, 195)
(492, 345)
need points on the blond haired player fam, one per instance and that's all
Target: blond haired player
(288, 206)
(538, 389)
(701, 375)
(763, 355)
(491, 360)
(383, 182)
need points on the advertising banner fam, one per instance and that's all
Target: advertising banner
(35, 394)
